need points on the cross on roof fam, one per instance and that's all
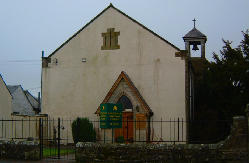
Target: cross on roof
(194, 22)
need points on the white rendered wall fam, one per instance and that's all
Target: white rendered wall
(5, 100)
(73, 88)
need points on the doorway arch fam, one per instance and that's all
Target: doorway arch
(126, 102)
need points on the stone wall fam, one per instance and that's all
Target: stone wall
(232, 150)
(19, 150)
(88, 152)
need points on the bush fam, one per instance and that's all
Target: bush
(120, 139)
(83, 131)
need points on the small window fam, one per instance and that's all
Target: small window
(110, 40)
(125, 101)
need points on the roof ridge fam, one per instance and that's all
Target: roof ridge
(75, 34)
(146, 28)
(31, 95)
(27, 98)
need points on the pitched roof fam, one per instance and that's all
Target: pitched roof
(195, 33)
(29, 94)
(33, 101)
(12, 88)
(126, 78)
(23, 105)
(111, 6)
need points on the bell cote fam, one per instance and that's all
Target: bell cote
(194, 38)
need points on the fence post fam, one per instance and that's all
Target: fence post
(170, 129)
(59, 137)
(174, 130)
(161, 128)
(15, 127)
(127, 130)
(104, 135)
(135, 131)
(178, 123)
(40, 136)
(47, 132)
(182, 130)
(22, 128)
(29, 127)
(139, 122)
(5, 130)
(112, 134)
(2, 127)
(247, 117)
(149, 130)
(12, 127)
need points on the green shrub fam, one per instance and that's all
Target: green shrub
(120, 139)
(83, 131)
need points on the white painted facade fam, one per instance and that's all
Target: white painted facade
(72, 88)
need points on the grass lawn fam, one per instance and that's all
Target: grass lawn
(47, 152)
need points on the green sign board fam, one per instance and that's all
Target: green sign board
(111, 115)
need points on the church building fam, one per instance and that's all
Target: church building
(115, 59)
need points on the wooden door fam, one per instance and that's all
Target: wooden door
(127, 127)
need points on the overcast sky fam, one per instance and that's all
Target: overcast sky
(29, 26)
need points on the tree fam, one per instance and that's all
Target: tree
(231, 72)
(223, 89)
(83, 131)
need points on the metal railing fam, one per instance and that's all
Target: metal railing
(173, 130)
(55, 135)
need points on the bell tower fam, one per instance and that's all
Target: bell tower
(194, 38)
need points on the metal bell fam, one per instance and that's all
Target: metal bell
(195, 47)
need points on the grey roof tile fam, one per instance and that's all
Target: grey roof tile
(195, 33)
(12, 88)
